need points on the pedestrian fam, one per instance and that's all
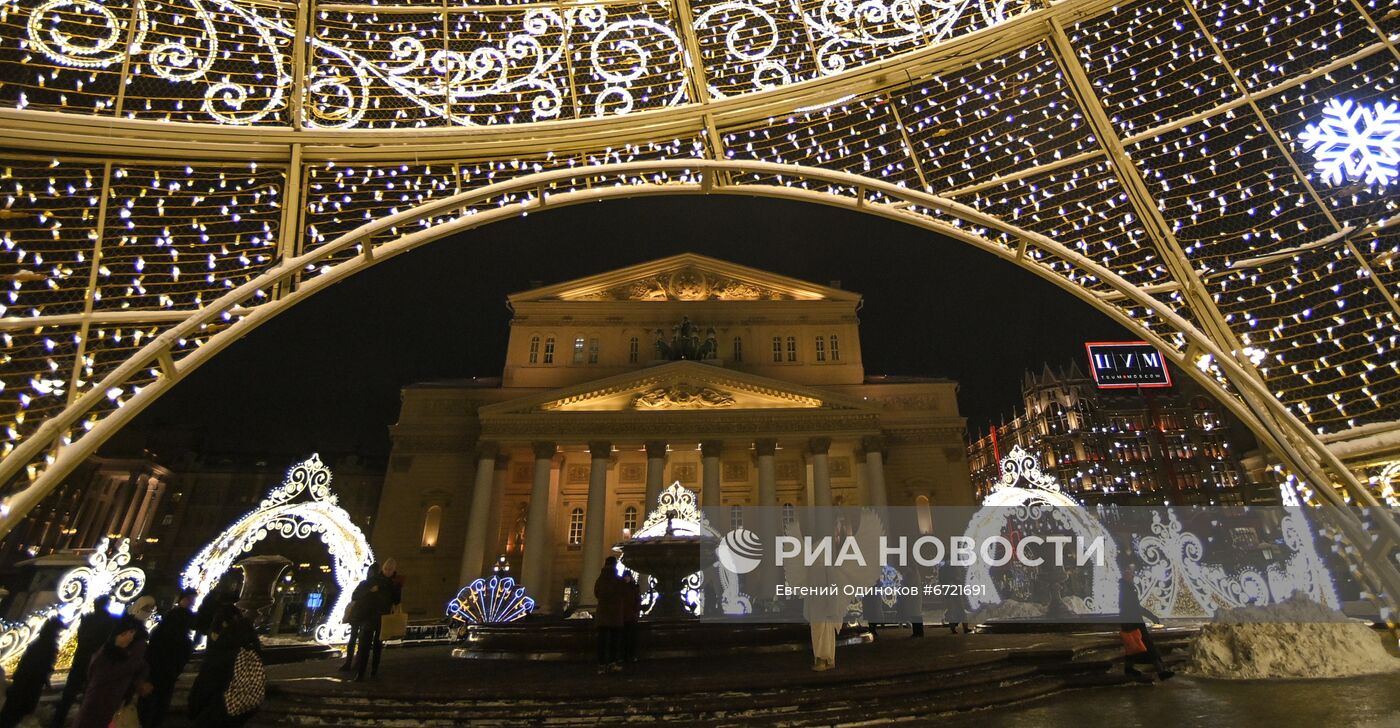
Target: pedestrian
(232, 681)
(610, 593)
(116, 675)
(911, 605)
(223, 595)
(872, 607)
(32, 675)
(349, 663)
(1134, 631)
(631, 614)
(374, 598)
(955, 613)
(169, 649)
(93, 630)
(142, 609)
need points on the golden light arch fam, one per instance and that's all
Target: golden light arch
(169, 187)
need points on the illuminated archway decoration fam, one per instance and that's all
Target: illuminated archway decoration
(104, 574)
(177, 174)
(282, 514)
(1026, 494)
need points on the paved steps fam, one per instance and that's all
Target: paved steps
(897, 691)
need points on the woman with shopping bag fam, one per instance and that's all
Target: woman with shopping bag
(232, 681)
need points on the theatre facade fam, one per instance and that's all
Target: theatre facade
(744, 386)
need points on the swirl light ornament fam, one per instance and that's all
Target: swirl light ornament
(282, 514)
(105, 573)
(490, 601)
(178, 172)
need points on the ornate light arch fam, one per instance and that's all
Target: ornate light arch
(1183, 207)
(104, 574)
(282, 514)
(1025, 493)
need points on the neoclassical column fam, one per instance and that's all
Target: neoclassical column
(656, 474)
(138, 496)
(709, 493)
(767, 472)
(875, 470)
(593, 520)
(817, 449)
(155, 489)
(768, 519)
(474, 549)
(537, 549)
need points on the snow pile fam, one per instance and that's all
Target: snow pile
(1008, 609)
(1296, 638)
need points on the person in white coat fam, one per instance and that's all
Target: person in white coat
(826, 612)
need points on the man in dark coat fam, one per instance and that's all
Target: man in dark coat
(374, 598)
(169, 650)
(32, 675)
(611, 594)
(93, 631)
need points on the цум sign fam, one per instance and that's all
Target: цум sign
(1127, 364)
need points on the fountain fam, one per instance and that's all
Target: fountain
(670, 558)
(676, 546)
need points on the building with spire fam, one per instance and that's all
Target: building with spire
(1120, 446)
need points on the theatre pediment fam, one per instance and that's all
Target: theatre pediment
(678, 386)
(686, 277)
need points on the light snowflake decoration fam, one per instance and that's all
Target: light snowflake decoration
(1355, 142)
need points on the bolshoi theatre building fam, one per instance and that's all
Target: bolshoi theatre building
(742, 385)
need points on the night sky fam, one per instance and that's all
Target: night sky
(326, 375)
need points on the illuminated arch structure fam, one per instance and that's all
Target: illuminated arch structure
(106, 573)
(1026, 494)
(179, 172)
(282, 514)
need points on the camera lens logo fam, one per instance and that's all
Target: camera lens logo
(740, 551)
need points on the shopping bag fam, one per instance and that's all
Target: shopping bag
(127, 717)
(1132, 641)
(248, 688)
(393, 625)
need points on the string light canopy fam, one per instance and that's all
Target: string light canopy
(177, 174)
(284, 512)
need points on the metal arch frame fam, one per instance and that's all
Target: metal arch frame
(1278, 429)
(67, 132)
(1313, 461)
